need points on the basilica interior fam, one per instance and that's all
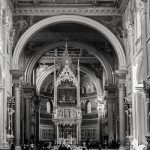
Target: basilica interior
(75, 71)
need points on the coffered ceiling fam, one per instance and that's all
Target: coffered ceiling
(46, 3)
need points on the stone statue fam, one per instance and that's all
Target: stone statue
(115, 25)
(21, 26)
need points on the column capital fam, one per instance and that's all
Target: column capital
(120, 77)
(17, 73)
(111, 99)
(121, 73)
(110, 87)
(28, 99)
(121, 86)
(17, 84)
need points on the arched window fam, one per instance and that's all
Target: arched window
(48, 107)
(89, 107)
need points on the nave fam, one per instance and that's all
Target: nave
(75, 72)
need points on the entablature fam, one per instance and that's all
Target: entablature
(84, 11)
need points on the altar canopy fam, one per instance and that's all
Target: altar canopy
(67, 110)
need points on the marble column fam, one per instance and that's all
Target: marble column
(140, 122)
(100, 125)
(57, 133)
(28, 119)
(17, 117)
(110, 119)
(110, 95)
(121, 88)
(79, 133)
(77, 128)
(121, 80)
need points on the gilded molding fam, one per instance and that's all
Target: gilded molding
(98, 11)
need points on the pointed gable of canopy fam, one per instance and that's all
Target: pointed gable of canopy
(66, 71)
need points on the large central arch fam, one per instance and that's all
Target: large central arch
(69, 18)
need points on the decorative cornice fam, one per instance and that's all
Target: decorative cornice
(47, 36)
(98, 11)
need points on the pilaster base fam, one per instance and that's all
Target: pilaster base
(122, 148)
(17, 148)
(4, 146)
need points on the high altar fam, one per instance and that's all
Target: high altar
(67, 115)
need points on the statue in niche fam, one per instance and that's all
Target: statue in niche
(71, 97)
(115, 25)
(50, 88)
(63, 97)
(22, 25)
(66, 113)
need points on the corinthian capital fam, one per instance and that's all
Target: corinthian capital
(28, 99)
(120, 76)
